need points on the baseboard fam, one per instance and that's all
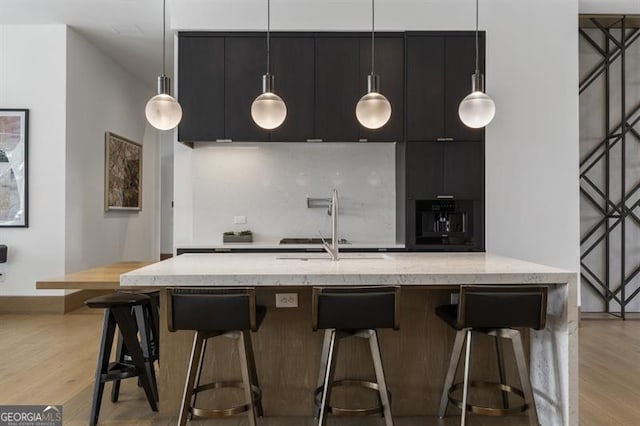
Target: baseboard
(608, 316)
(164, 256)
(76, 300)
(47, 304)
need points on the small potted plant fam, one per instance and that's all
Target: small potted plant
(237, 237)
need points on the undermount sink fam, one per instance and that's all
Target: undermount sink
(325, 256)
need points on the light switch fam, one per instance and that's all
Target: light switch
(239, 220)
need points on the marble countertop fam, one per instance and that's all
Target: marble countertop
(280, 269)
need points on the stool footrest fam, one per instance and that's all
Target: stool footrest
(256, 395)
(341, 411)
(119, 371)
(489, 411)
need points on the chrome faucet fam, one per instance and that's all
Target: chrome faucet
(332, 248)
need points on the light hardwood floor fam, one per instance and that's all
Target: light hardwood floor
(50, 359)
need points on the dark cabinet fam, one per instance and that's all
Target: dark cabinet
(439, 70)
(245, 62)
(389, 65)
(425, 88)
(459, 67)
(292, 64)
(201, 88)
(446, 169)
(320, 77)
(425, 170)
(336, 88)
(463, 169)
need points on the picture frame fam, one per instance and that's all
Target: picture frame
(14, 171)
(123, 174)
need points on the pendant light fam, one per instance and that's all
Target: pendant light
(477, 109)
(373, 109)
(163, 111)
(268, 110)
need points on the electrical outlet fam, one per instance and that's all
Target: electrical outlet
(239, 220)
(286, 300)
(454, 298)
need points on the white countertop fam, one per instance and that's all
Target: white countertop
(280, 269)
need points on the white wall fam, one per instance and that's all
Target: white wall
(32, 75)
(269, 184)
(532, 73)
(102, 96)
(609, 6)
(166, 190)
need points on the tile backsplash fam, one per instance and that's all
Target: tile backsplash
(269, 183)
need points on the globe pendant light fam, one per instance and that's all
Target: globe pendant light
(477, 109)
(373, 109)
(163, 111)
(268, 110)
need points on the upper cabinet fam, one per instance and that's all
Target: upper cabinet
(337, 89)
(201, 87)
(320, 77)
(245, 62)
(439, 70)
(292, 64)
(389, 65)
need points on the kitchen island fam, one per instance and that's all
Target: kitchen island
(415, 358)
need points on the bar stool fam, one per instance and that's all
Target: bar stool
(231, 313)
(148, 325)
(345, 312)
(494, 311)
(119, 311)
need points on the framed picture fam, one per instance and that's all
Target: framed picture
(14, 194)
(123, 173)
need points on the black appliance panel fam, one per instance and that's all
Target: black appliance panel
(444, 222)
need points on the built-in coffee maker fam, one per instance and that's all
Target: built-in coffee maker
(444, 221)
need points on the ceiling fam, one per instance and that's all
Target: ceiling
(129, 31)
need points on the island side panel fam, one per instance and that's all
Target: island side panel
(287, 356)
(554, 359)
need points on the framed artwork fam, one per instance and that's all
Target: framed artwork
(123, 173)
(14, 194)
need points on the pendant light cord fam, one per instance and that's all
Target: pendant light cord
(373, 23)
(477, 44)
(164, 29)
(268, 36)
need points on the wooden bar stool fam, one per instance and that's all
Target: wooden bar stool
(119, 311)
(494, 311)
(213, 312)
(358, 312)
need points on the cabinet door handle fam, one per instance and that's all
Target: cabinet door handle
(445, 197)
(363, 140)
(314, 140)
(224, 140)
(444, 139)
